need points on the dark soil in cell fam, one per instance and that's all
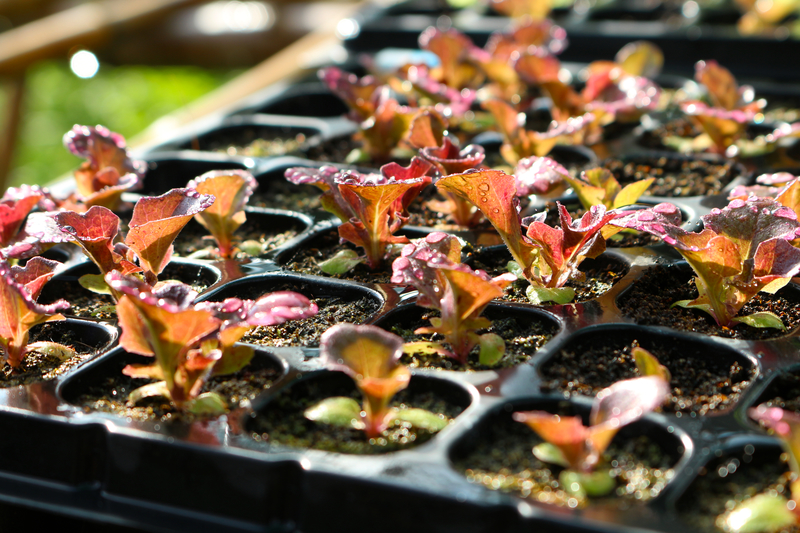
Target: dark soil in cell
(110, 395)
(281, 194)
(725, 483)
(699, 384)
(333, 150)
(783, 392)
(307, 257)
(523, 334)
(307, 332)
(282, 422)
(600, 277)
(649, 301)
(501, 459)
(195, 238)
(38, 366)
(262, 147)
(675, 177)
(680, 127)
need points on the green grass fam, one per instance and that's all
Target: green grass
(124, 99)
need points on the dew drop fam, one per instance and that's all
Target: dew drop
(495, 210)
(484, 187)
(484, 199)
(646, 216)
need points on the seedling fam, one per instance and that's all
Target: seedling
(372, 207)
(19, 311)
(371, 357)
(433, 266)
(768, 512)
(108, 171)
(743, 249)
(16, 240)
(155, 223)
(232, 189)
(192, 342)
(598, 186)
(578, 448)
(547, 257)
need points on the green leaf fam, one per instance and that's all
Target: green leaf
(338, 411)
(539, 295)
(422, 419)
(343, 261)
(598, 483)
(550, 453)
(648, 365)
(94, 283)
(572, 483)
(762, 513)
(208, 403)
(252, 247)
(762, 319)
(52, 349)
(357, 155)
(492, 348)
(515, 269)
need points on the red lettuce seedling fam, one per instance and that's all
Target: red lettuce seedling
(723, 121)
(15, 206)
(371, 357)
(770, 511)
(19, 289)
(108, 170)
(232, 189)
(192, 342)
(372, 207)
(356, 92)
(742, 250)
(433, 266)
(155, 223)
(541, 176)
(547, 257)
(578, 448)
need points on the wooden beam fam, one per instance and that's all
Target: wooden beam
(15, 90)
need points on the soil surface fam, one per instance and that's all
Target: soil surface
(725, 483)
(282, 421)
(38, 366)
(650, 298)
(501, 459)
(699, 385)
(273, 147)
(524, 333)
(281, 194)
(675, 177)
(783, 392)
(305, 259)
(600, 276)
(268, 231)
(110, 394)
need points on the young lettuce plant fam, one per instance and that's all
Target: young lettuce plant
(547, 257)
(768, 512)
(578, 448)
(232, 189)
(15, 206)
(598, 186)
(371, 357)
(155, 223)
(731, 109)
(743, 249)
(433, 266)
(19, 311)
(108, 170)
(192, 342)
(372, 207)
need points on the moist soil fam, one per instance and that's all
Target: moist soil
(275, 147)
(195, 238)
(649, 301)
(110, 394)
(675, 176)
(727, 482)
(305, 259)
(38, 366)
(279, 193)
(87, 304)
(783, 392)
(282, 422)
(501, 459)
(523, 334)
(699, 385)
(600, 276)
(306, 332)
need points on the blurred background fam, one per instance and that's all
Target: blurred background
(124, 64)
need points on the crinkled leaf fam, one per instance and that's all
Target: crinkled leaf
(157, 220)
(94, 231)
(448, 159)
(427, 130)
(15, 205)
(231, 190)
(356, 92)
(452, 48)
(540, 176)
